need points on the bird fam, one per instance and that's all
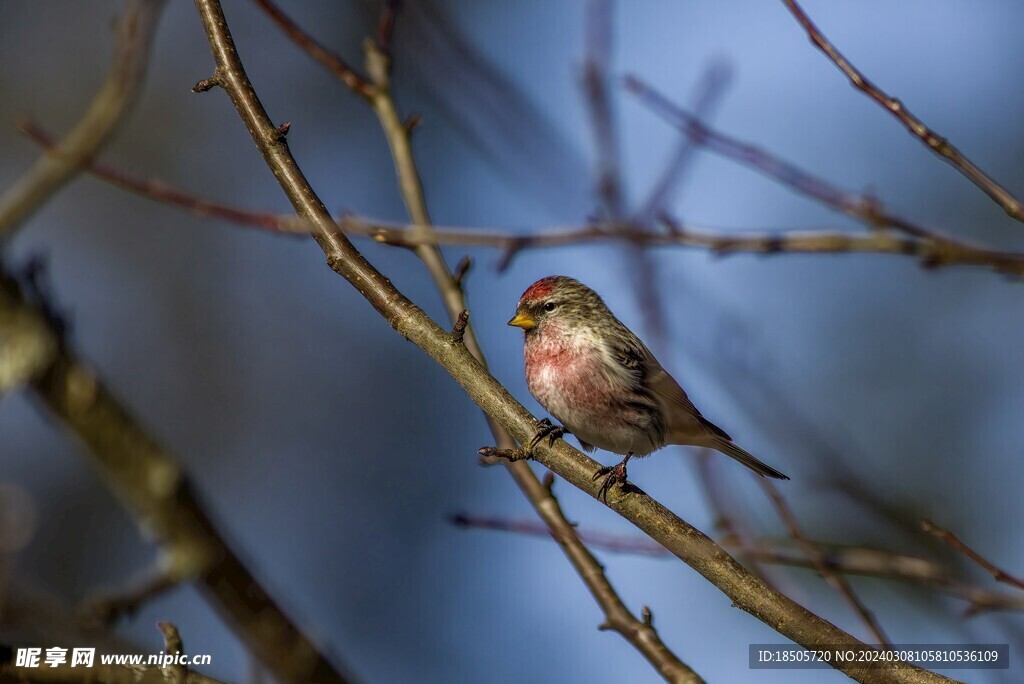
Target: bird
(605, 387)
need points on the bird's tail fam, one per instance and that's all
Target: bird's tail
(730, 449)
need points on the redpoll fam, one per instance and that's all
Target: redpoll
(599, 380)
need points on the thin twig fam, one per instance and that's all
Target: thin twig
(720, 241)
(935, 142)
(815, 555)
(863, 561)
(27, 348)
(386, 25)
(109, 607)
(174, 673)
(357, 82)
(160, 191)
(600, 40)
(863, 208)
(709, 94)
(734, 533)
(133, 39)
(952, 540)
(149, 482)
(685, 541)
(643, 268)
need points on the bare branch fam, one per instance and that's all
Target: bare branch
(727, 519)
(849, 560)
(862, 208)
(159, 191)
(930, 251)
(935, 142)
(27, 347)
(329, 59)
(709, 93)
(386, 25)
(107, 608)
(815, 556)
(596, 67)
(133, 38)
(642, 267)
(152, 485)
(685, 541)
(952, 540)
(176, 674)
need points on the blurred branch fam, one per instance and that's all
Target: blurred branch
(685, 541)
(386, 25)
(109, 607)
(599, 41)
(398, 133)
(357, 82)
(641, 265)
(953, 541)
(108, 674)
(932, 253)
(35, 615)
(133, 38)
(177, 674)
(816, 557)
(709, 94)
(846, 560)
(27, 347)
(863, 208)
(727, 518)
(159, 191)
(151, 484)
(935, 142)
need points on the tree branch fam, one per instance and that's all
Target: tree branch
(27, 348)
(133, 38)
(816, 557)
(935, 142)
(931, 251)
(685, 541)
(151, 484)
(848, 560)
(357, 82)
(953, 541)
(599, 41)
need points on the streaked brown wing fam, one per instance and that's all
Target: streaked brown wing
(667, 390)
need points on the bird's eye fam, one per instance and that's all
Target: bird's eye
(550, 306)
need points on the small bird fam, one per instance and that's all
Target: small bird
(602, 383)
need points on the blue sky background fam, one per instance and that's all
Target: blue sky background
(332, 451)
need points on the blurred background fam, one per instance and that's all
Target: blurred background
(333, 453)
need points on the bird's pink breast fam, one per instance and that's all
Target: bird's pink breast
(566, 378)
(571, 378)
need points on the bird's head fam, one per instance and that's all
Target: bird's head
(556, 299)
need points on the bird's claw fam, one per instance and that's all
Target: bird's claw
(613, 475)
(545, 428)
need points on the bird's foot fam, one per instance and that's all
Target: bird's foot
(545, 428)
(613, 475)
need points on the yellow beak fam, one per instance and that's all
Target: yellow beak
(523, 321)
